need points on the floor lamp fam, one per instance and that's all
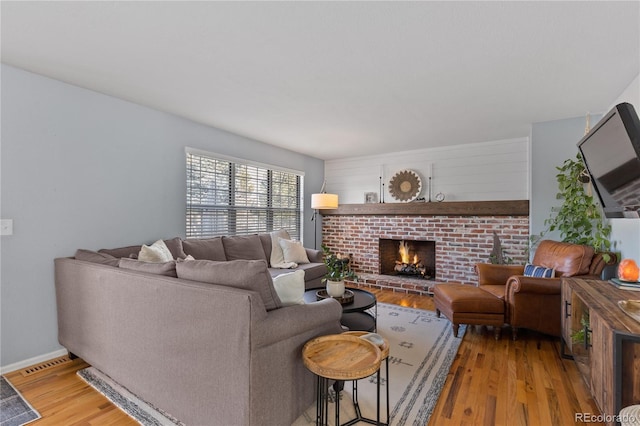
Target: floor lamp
(319, 202)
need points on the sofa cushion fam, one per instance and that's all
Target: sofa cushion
(265, 239)
(290, 288)
(165, 268)
(205, 248)
(245, 274)
(156, 252)
(129, 251)
(567, 259)
(96, 257)
(293, 251)
(243, 247)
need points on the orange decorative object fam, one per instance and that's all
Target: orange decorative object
(628, 270)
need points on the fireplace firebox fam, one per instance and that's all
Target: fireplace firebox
(410, 258)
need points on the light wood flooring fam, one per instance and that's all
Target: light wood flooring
(503, 382)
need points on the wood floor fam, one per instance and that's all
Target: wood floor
(503, 382)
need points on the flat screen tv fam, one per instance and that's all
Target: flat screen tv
(611, 153)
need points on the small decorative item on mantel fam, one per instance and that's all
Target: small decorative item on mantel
(338, 270)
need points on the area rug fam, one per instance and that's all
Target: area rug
(136, 408)
(14, 409)
(421, 351)
(422, 348)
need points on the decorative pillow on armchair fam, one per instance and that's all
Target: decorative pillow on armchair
(538, 271)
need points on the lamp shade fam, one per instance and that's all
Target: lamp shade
(324, 201)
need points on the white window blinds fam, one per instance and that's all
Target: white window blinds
(227, 197)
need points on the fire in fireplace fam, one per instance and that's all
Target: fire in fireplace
(415, 259)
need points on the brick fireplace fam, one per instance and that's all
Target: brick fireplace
(459, 240)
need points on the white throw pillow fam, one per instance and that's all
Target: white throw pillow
(277, 256)
(156, 252)
(290, 288)
(293, 251)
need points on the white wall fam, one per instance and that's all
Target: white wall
(85, 170)
(552, 142)
(625, 233)
(483, 171)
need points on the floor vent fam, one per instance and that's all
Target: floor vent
(45, 365)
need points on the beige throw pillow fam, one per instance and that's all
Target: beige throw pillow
(293, 251)
(290, 288)
(157, 252)
(277, 255)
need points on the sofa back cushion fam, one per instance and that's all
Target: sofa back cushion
(205, 248)
(567, 259)
(243, 247)
(245, 274)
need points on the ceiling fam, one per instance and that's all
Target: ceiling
(339, 79)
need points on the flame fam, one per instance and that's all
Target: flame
(404, 252)
(415, 259)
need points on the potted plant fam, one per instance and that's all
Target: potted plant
(579, 219)
(338, 270)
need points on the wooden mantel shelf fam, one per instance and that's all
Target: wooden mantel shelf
(447, 208)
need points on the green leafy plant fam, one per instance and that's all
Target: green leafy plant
(579, 219)
(338, 266)
(578, 336)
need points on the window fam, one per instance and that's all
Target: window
(227, 196)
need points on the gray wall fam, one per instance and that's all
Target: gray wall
(85, 170)
(552, 142)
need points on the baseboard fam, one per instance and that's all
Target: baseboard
(31, 361)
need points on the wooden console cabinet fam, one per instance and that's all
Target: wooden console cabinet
(604, 342)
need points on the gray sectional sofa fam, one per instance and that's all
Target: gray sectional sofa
(214, 349)
(240, 247)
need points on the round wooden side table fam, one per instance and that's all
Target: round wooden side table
(340, 357)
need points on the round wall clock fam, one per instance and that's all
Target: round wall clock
(405, 185)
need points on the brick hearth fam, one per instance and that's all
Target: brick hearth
(461, 242)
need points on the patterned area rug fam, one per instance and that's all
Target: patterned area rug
(421, 351)
(422, 348)
(14, 409)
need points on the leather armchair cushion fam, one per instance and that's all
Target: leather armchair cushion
(566, 258)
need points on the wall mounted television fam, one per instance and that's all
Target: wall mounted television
(611, 153)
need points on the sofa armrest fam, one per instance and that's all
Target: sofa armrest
(315, 256)
(283, 323)
(522, 284)
(491, 274)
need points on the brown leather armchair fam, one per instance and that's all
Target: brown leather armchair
(534, 303)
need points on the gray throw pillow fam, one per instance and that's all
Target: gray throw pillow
(129, 251)
(175, 247)
(95, 257)
(245, 274)
(167, 269)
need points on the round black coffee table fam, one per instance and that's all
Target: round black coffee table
(354, 314)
